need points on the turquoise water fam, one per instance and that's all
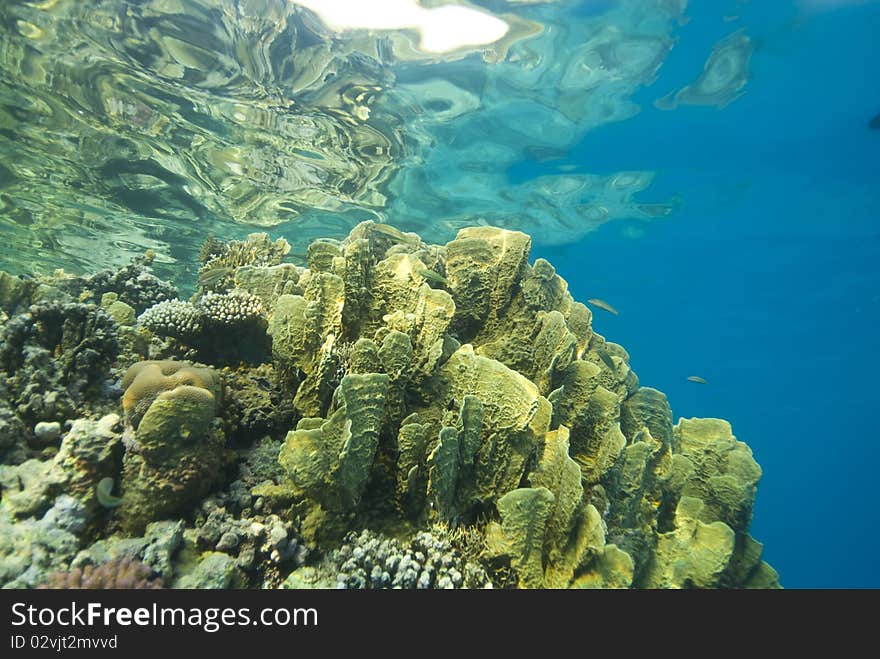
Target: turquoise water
(706, 167)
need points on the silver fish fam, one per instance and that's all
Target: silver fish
(606, 358)
(430, 275)
(602, 304)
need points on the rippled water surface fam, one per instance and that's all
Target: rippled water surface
(135, 124)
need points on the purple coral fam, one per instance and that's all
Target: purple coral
(117, 573)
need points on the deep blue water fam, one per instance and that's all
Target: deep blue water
(766, 280)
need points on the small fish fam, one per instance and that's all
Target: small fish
(606, 358)
(393, 232)
(213, 275)
(602, 304)
(103, 492)
(430, 275)
(874, 124)
(697, 379)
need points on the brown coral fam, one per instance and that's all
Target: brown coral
(144, 381)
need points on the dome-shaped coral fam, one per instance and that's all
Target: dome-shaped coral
(144, 381)
(173, 451)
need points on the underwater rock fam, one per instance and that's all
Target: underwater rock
(259, 543)
(47, 432)
(121, 312)
(31, 549)
(256, 403)
(133, 285)
(90, 451)
(15, 293)
(175, 451)
(214, 570)
(30, 487)
(156, 548)
(12, 432)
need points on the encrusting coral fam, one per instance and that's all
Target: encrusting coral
(388, 389)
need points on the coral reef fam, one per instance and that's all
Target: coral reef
(90, 452)
(134, 285)
(55, 358)
(173, 318)
(393, 415)
(367, 560)
(219, 260)
(32, 548)
(462, 383)
(117, 573)
(157, 548)
(204, 326)
(256, 403)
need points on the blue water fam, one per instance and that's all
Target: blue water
(765, 282)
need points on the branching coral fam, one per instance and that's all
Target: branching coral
(231, 308)
(367, 560)
(173, 318)
(220, 260)
(207, 325)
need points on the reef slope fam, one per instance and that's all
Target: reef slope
(390, 414)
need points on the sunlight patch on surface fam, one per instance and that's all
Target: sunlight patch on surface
(441, 29)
